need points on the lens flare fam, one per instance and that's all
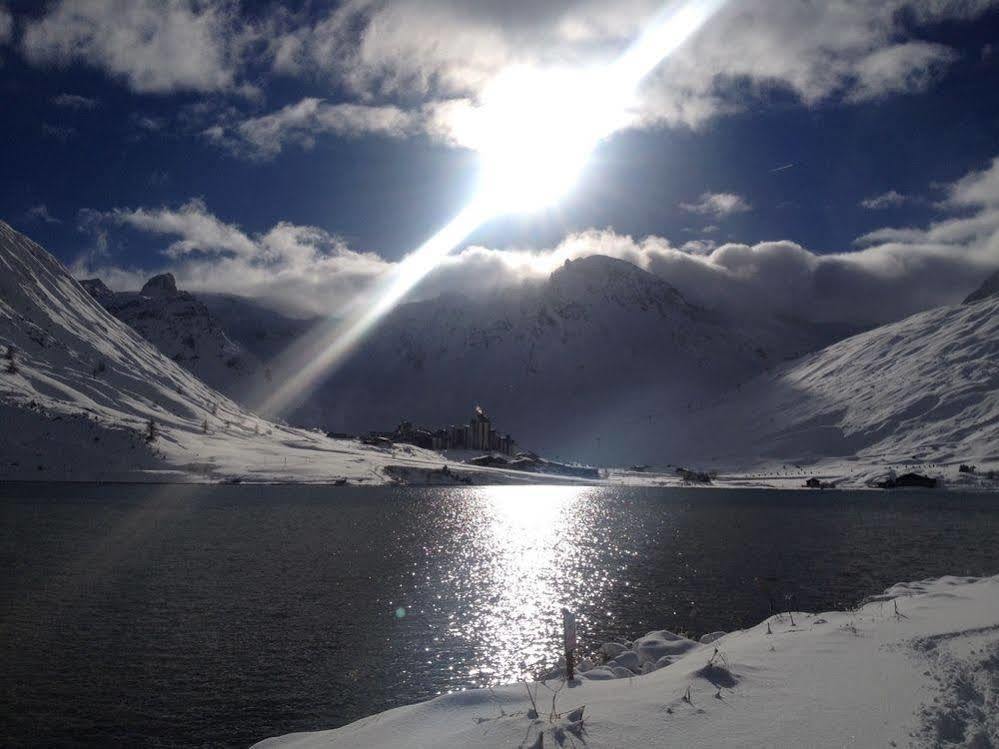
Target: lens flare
(534, 132)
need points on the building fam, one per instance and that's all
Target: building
(481, 432)
(478, 434)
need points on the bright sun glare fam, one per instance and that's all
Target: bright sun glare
(534, 131)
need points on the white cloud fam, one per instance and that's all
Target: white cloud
(890, 199)
(74, 101)
(305, 269)
(265, 136)
(301, 269)
(902, 68)
(699, 247)
(59, 132)
(410, 67)
(6, 25)
(41, 213)
(438, 49)
(718, 204)
(199, 230)
(155, 46)
(978, 188)
(401, 62)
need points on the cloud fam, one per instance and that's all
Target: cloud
(41, 213)
(718, 204)
(699, 247)
(439, 49)
(154, 46)
(74, 101)
(890, 199)
(199, 231)
(900, 69)
(977, 189)
(412, 67)
(401, 65)
(59, 132)
(307, 270)
(147, 123)
(6, 26)
(266, 136)
(301, 269)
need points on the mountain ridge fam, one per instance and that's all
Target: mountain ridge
(83, 396)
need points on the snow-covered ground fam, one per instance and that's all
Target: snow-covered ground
(915, 667)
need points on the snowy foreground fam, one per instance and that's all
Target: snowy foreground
(916, 666)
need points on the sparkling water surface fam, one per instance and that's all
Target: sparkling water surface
(220, 615)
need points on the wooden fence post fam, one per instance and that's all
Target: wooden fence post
(569, 641)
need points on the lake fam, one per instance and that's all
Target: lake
(220, 615)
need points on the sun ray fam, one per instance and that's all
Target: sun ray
(535, 132)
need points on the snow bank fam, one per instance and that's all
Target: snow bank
(916, 666)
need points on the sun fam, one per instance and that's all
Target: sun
(535, 130)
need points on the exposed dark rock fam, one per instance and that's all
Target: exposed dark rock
(162, 285)
(987, 289)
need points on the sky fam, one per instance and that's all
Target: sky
(833, 160)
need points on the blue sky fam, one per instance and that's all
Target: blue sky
(142, 136)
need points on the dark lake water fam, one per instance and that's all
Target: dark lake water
(213, 616)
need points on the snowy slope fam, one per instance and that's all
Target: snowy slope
(78, 390)
(922, 391)
(262, 332)
(182, 327)
(915, 667)
(591, 365)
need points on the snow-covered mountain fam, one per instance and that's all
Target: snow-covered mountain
(921, 391)
(593, 364)
(260, 331)
(182, 327)
(84, 396)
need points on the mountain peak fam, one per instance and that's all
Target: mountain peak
(162, 285)
(615, 277)
(597, 265)
(987, 289)
(97, 289)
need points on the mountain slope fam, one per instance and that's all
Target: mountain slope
(182, 327)
(83, 396)
(260, 331)
(591, 364)
(924, 390)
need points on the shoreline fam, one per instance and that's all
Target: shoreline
(911, 666)
(732, 482)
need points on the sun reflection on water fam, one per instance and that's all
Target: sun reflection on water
(528, 546)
